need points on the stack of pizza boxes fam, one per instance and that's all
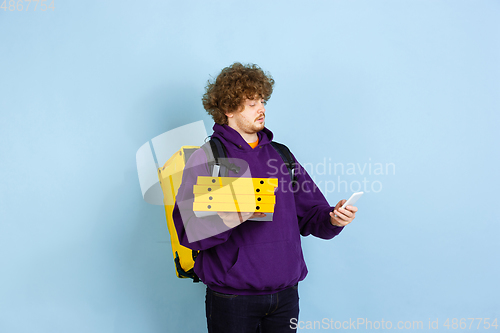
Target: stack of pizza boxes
(234, 194)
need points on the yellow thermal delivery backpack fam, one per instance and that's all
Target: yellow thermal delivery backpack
(170, 176)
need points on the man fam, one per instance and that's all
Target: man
(252, 267)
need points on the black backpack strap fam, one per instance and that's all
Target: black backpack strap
(287, 158)
(186, 274)
(216, 156)
(213, 151)
(219, 151)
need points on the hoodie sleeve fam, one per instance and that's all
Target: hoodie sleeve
(313, 210)
(193, 232)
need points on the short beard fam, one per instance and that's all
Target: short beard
(251, 128)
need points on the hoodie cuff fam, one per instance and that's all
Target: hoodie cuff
(330, 220)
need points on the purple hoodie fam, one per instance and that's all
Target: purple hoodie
(256, 257)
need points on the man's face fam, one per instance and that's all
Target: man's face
(251, 119)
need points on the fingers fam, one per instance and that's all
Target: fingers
(342, 214)
(352, 208)
(337, 221)
(348, 211)
(340, 203)
(345, 212)
(342, 217)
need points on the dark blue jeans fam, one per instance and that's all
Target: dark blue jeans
(252, 314)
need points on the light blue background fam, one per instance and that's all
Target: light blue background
(414, 83)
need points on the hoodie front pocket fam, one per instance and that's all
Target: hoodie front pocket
(267, 266)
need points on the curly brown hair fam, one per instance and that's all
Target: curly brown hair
(232, 87)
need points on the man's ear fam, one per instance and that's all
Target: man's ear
(231, 114)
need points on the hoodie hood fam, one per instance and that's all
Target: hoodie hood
(233, 140)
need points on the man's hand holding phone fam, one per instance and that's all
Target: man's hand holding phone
(344, 212)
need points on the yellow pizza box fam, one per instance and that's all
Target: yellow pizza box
(234, 190)
(232, 207)
(243, 198)
(236, 181)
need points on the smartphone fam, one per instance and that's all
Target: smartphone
(352, 200)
